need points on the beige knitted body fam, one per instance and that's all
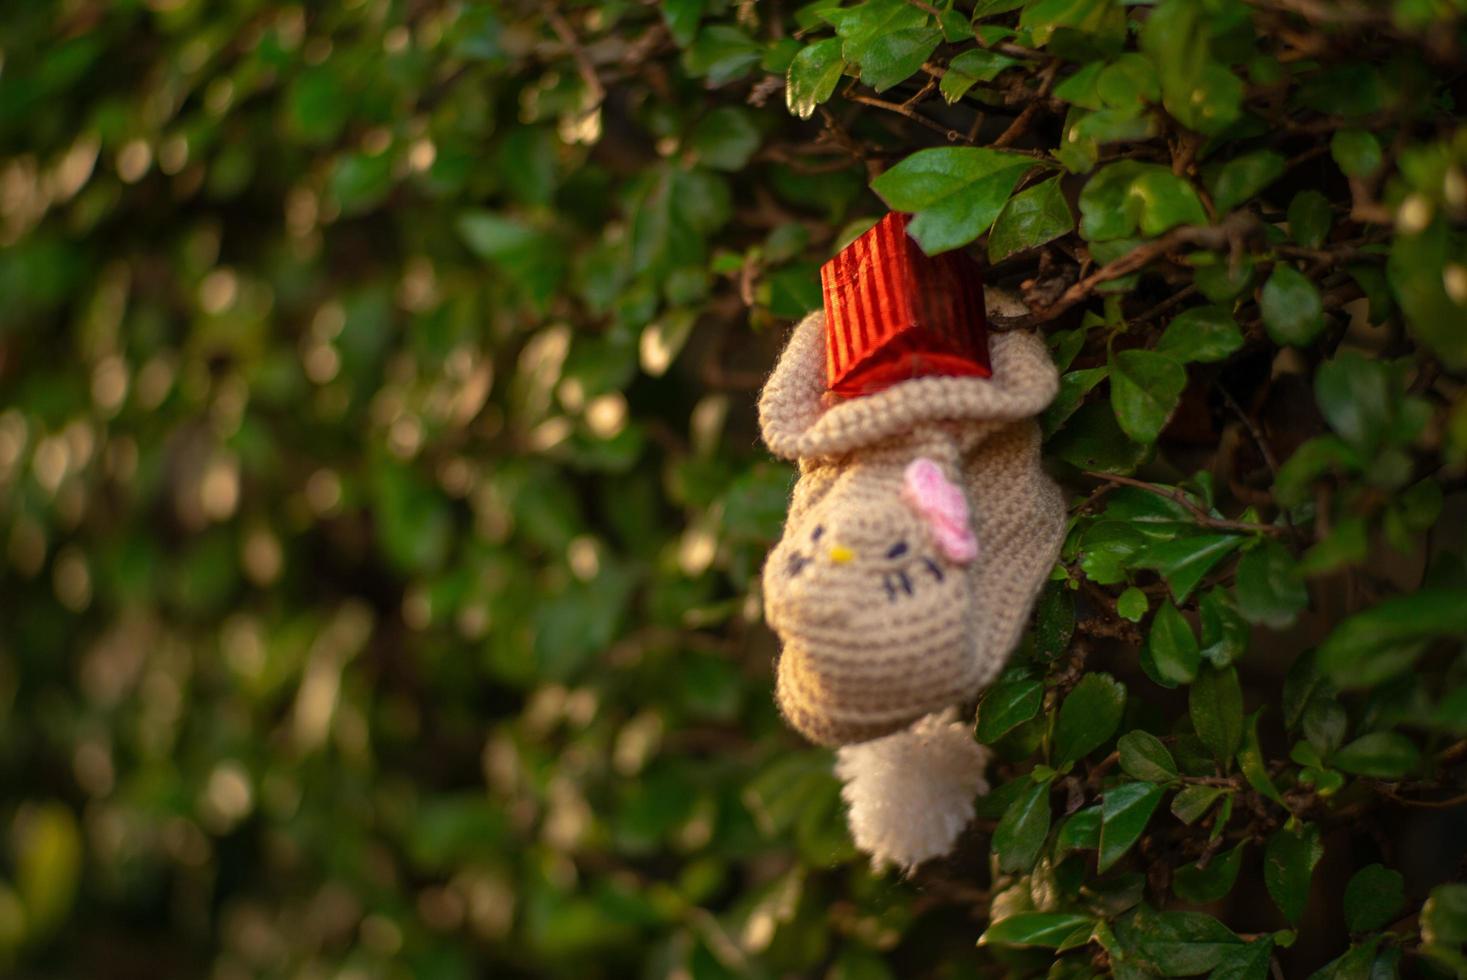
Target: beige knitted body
(879, 628)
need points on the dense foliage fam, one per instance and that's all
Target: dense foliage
(382, 509)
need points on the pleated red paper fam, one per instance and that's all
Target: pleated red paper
(893, 313)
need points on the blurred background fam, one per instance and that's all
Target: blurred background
(379, 496)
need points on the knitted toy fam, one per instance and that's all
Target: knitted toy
(920, 531)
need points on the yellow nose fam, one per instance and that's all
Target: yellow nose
(841, 554)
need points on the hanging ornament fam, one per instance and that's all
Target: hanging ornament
(919, 533)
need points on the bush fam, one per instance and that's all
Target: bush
(383, 509)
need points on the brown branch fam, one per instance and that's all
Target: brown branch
(1199, 515)
(1235, 226)
(587, 71)
(953, 136)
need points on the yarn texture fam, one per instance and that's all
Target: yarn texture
(884, 615)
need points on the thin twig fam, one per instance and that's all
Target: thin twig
(1199, 515)
(587, 71)
(953, 136)
(1236, 225)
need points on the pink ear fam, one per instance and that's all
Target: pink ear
(943, 506)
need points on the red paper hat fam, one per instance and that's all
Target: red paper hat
(893, 313)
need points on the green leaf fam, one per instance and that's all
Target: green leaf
(1225, 633)
(1444, 916)
(1128, 194)
(1243, 177)
(1310, 217)
(1079, 832)
(1088, 718)
(1384, 755)
(1357, 398)
(1203, 333)
(1143, 756)
(1132, 605)
(726, 138)
(1356, 151)
(1292, 310)
(892, 58)
(1128, 82)
(1216, 706)
(971, 67)
(1177, 944)
(1172, 653)
(865, 24)
(1203, 885)
(1384, 639)
(1124, 813)
(1250, 761)
(1268, 588)
(1020, 835)
(1073, 388)
(1416, 271)
(1192, 802)
(1050, 930)
(1145, 388)
(1288, 868)
(954, 192)
(1030, 218)
(1092, 440)
(721, 54)
(1006, 705)
(1106, 550)
(1375, 896)
(813, 76)
(1185, 561)
(1251, 962)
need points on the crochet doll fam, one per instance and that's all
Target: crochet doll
(920, 530)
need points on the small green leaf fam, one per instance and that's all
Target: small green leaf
(1225, 633)
(1211, 883)
(1184, 562)
(892, 58)
(1048, 929)
(954, 192)
(1357, 398)
(1006, 705)
(1310, 217)
(1144, 390)
(1292, 310)
(1288, 867)
(1192, 802)
(1177, 944)
(721, 54)
(1203, 333)
(1251, 962)
(1384, 755)
(1384, 639)
(726, 138)
(1030, 218)
(1373, 898)
(971, 67)
(1172, 653)
(1268, 588)
(1243, 177)
(1250, 761)
(1143, 756)
(1132, 604)
(1444, 916)
(1356, 151)
(1020, 834)
(1216, 706)
(1124, 813)
(813, 76)
(1088, 718)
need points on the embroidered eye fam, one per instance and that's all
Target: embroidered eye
(819, 530)
(897, 550)
(797, 564)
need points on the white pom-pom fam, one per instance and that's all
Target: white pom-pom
(911, 793)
